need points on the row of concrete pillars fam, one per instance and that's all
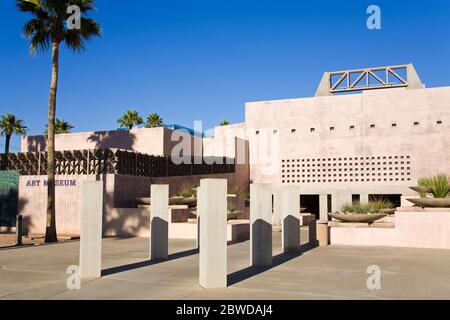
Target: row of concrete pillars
(212, 222)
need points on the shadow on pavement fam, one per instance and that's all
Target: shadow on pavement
(277, 260)
(147, 263)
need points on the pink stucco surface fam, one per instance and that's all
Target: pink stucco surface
(154, 141)
(427, 144)
(120, 192)
(413, 229)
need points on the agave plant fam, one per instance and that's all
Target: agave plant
(372, 207)
(424, 183)
(439, 186)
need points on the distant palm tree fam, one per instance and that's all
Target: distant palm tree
(225, 123)
(61, 126)
(10, 125)
(154, 121)
(130, 119)
(49, 28)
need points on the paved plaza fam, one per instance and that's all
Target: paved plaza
(334, 272)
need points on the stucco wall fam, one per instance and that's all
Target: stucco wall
(155, 141)
(427, 144)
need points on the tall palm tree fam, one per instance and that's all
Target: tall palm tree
(10, 125)
(61, 126)
(154, 121)
(49, 28)
(130, 119)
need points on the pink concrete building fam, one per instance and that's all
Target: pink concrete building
(366, 133)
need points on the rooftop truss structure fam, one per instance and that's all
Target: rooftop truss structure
(401, 76)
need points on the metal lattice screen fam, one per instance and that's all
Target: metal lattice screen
(113, 161)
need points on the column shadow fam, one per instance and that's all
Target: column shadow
(147, 263)
(277, 260)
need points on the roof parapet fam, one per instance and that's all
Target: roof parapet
(369, 79)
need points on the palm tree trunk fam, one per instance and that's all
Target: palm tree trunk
(50, 232)
(7, 140)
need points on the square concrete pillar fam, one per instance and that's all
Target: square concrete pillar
(159, 222)
(261, 225)
(323, 207)
(276, 207)
(291, 233)
(212, 207)
(339, 198)
(364, 198)
(287, 201)
(91, 216)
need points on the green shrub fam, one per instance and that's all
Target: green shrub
(424, 183)
(440, 186)
(187, 191)
(372, 207)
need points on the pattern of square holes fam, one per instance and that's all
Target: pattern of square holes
(374, 169)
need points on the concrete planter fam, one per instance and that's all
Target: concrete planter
(431, 202)
(357, 218)
(174, 201)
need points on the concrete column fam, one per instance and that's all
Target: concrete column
(364, 198)
(91, 216)
(276, 221)
(287, 201)
(339, 198)
(261, 225)
(159, 222)
(212, 207)
(323, 207)
(291, 232)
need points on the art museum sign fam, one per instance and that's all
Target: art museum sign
(58, 183)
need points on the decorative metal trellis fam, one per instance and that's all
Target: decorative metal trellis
(113, 161)
(367, 79)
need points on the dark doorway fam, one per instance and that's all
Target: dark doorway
(311, 203)
(395, 199)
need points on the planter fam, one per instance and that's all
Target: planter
(174, 201)
(420, 189)
(357, 218)
(431, 202)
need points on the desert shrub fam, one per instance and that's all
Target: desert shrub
(372, 207)
(187, 191)
(439, 186)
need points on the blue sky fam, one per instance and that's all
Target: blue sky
(203, 59)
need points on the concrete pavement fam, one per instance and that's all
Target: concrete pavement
(322, 273)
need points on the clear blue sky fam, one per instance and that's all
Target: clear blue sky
(203, 59)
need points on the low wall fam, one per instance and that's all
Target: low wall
(414, 228)
(120, 191)
(125, 222)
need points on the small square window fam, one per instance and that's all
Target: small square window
(293, 131)
(331, 128)
(372, 126)
(257, 132)
(416, 123)
(275, 131)
(394, 125)
(352, 127)
(439, 122)
(313, 129)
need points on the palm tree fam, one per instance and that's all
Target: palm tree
(225, 123)
(49, 28)
(61, 126)
(10, 125)
(130, 119)
(154, 121)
